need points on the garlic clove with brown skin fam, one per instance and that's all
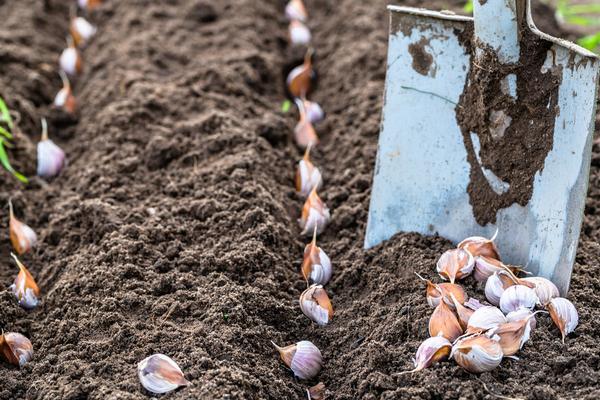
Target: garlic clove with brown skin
(496, 284)
(295, 10)
(463, 313)
(160, 374)
(316, 392)
(485, 267)
(303, 358)
(544, 288)
(315, 214)
(299, 33)
(16, 348)
(484, 319)
(81, 31)
(564, 314)
(443, 322)
(304, 131)
(70, 60)
(316, 266)
(513, 335)
(315, 304)
(25, 289)
(520, 314)
(88, 4)
(480, 246)
(22, 237)
(477, 354)
(431, 351)
(50, 157)
(455, 264)
(308, 176)
(64, 98)
(435, 292)
(314, 112)
(299, 80)
(518, 296)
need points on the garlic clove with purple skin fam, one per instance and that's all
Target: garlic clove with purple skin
(496, 284)
(518, 296)
(295, 10)
(431, 351)
(22, 237)
(434, 292)
(477, 353)
(544, 288)
(480, 246)
(513, 335)
(308, 176)
(303, 358)
(16, 348)
(484, 319)
(520, 314)
(160, 374)
(70, 60)
(81, 31)
(314, 112)
(51, 158)
(455, 264)
(564, 314)
(315, 304)
(485, 267)
(316, 265)
(299, 33)
(315, 214)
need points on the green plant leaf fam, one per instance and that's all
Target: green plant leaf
(6, 133)
(468, 7)
(285, 106)
(5, 114)
(4, 161)
(591, 42)
(580, 20)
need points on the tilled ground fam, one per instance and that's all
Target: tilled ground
(173, 228)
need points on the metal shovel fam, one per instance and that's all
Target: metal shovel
(487, 126)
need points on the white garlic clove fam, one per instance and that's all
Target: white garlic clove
(88, 4)
(295, 10)
(16, 348)
(315, 214)
(431, 351)
(81, 31)
(480, 246)
(520, 314)
(22, 237)
(564, 314)
(70, 61)
(485, 318)
(477, 353)
(443, 322)
(455, 264)
(304, 131)
(316, 265)
(160, 374)
(544, 288)
(314, 112)
(518, 296)
(485, 267)
(308, 177)
(299, 33)
(513, 335)
(496, 284)
(303, 358)
(51, 158)
(316, 392)
(315, 304)
(473, 304)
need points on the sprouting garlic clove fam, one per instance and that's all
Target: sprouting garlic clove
(480, 246)
(304, 131)
(315, 214)
(22, 237)
(477, 353)
(51, 158)
(299, 80)
(64, 98)
(544, 288)
(564, 314)
(518, 296)
(308, 176)
(16, 348)
(160, 374)
(81, 31)
(435, 292)
(316, 265)
(315, 304)
(70, 60)
(484, 319)
(455, 264)
(520, 314)
(463, 313)
(314, 112)
(431, 351)
(316, 392)
(496, 284)
(25, 289)
(295, 10)
(303, 358)
(443, 322)
(513, 335)
(299, 33)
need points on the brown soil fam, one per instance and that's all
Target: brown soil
(173, 228)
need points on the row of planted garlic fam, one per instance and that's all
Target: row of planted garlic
(479, 336)
(15, 348)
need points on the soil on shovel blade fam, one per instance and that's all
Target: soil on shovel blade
(173, 228)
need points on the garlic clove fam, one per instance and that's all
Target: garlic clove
(544, 288)
(314, 112)
(315, 214)
(64, 98)
(463, 313)
(473, 304)
(70, 61)
(564, 314)
(316, 266)
(520, 314)
(431, 351)
(480, 246)
(434, 292)
(88, 4)
(455, 264)
(51, 158)
(304, 132)
(316, 392)
(25, 289)
(485, 318)
(513, 335)
(485, 267)
(444, 323)
(160, 374)
(315, 304)
(496, 284)
(477, 353)
(295, 10)
(16, 348)
(518, 296)
(22, 237)
(303, 358)
(299, 33)
(81, 31)
(308, 176)
(299, 80)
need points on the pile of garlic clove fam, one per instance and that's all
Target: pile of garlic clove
(478, 335)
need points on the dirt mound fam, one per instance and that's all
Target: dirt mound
(173, 228)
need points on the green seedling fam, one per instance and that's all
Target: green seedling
(578, 14)
(6, 164)
(590, 42)
(468, 7)
(285, 106)
(5, 137)
(5, 117)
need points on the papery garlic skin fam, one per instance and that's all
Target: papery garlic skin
(25, 288)
(16, 348)
(485, 318)
(316, 266)
(513, 336)
(70, 61)
(295, 10)
(518, 296)
(51, 159)
(315, 304)
(299, 80)
(81, 31)
(480, 246)
(496, 284)
(477, 353)
(314, 112)
(564, 314)
(432, 350)
(455, 264)
(303, 358)
(22, 237)
(64, 99)
(308, 177)
(88, 4)
(305, 134)
(544, 289)
(521, 314)
(443, 322)
(160, 374)
(316, 392)
(315, 214)
(485, 267)
(299, 33)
